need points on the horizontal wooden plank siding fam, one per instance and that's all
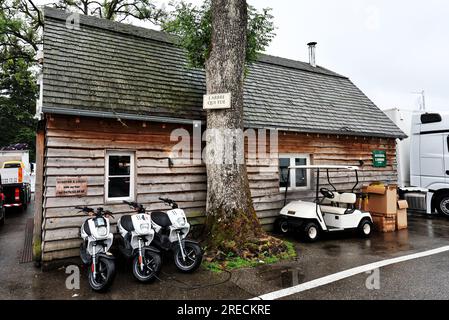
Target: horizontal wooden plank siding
(77, 147)
(341, 150)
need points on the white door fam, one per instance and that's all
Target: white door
(433, 157)
(446, 156)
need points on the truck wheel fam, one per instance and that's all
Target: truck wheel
(442, 204)
(311, 232)
(2, 220)
(23, 198)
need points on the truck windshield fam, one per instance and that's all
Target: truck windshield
(11, 165)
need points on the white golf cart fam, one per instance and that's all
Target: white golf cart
(333, 211)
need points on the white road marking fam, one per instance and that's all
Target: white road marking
(346, 274)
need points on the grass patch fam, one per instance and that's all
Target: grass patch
(231, 262)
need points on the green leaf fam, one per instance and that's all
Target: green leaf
(192, 28)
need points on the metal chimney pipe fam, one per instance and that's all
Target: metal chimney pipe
(312, 57)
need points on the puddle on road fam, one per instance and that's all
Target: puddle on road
(283, 277)
(332, 250)
(291, 277)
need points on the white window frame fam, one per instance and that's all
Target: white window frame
(293, 157)
(132, 178)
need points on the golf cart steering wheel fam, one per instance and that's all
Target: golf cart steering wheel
(327, 193)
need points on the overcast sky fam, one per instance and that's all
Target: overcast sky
(390, 49)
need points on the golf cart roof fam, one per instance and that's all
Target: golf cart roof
(326, 167)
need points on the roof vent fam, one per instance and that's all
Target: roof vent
(312, 49)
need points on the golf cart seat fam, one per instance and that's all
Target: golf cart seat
(335, 199)
(341, 198)
(333, 210)
(348, 199)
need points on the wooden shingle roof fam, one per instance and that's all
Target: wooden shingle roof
(109, 69)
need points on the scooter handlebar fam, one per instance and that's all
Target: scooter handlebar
(135, 205)
(91, 211)
(109, 214)
(170, 202)
(85, 209)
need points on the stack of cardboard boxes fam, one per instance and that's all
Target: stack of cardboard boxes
(387, 212)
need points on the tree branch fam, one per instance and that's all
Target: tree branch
(39, 14)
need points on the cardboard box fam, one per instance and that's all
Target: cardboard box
(362, 202)
(382, 199)
(401, 219)
(402, 204)
(376, 189)
(384, 223)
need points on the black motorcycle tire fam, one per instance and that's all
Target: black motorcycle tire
(194, 257)
(147, 275)
(106, 268)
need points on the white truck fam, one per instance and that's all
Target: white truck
(15, 174)
(423, 159)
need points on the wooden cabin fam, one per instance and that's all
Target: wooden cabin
(113, 94)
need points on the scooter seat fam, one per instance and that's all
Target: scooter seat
(127, 223)
(161, 219)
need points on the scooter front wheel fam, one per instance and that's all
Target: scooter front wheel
(151, 266)
(105, 272)
(193, 257)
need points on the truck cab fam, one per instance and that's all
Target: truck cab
(13, 164)
(15, 172)
(429, 158)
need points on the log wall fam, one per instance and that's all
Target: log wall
(77, 146)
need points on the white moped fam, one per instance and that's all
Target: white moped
(171, 229)
(94, 251)
(137, 234)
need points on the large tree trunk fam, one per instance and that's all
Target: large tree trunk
(231, 216)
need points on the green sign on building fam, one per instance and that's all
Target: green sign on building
(379, 158)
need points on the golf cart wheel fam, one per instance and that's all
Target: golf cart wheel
(442, 204)
(281, 226)
(311, 232)
(365, 228)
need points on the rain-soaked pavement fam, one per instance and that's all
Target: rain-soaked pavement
(424, 278)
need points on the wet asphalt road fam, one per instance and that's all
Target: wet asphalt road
(424, 278)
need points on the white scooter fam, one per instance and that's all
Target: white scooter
(171, 231)
(137, 235)
(94, 251)
(334, 212)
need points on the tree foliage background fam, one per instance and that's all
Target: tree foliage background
(21, 23)
(18, 89)
(192, 26)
